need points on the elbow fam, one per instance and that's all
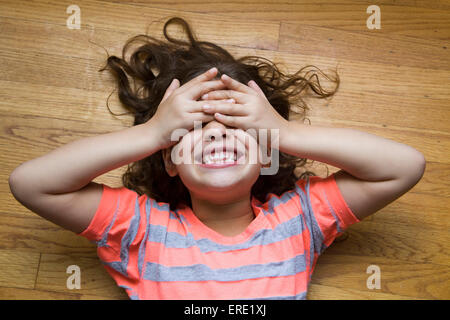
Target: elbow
(412, 172)
(15, 182)
(422, 163)
(15, 175)
(417, 168)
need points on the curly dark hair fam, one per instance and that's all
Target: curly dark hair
(153, 66)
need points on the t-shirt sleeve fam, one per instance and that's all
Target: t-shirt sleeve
(118, 229)
(107, 210)
(324, 210)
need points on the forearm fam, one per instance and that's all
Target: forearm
(363, 155)
(72, 166)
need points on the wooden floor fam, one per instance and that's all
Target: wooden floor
(395, 83)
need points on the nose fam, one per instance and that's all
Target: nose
(214, 131)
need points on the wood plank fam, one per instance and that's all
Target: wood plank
(423, 281)
(59, 71)
(58, 40)
(220, 7)
(360, 104)
(365, 76)
(436, 4)
(403, 241)
(130, 18)
(435, 182)
(18, 268)
(34, 234)
(33, 294)
(95, 280)
(47, 133)
(424, 20)
(358, 46)
(417, 209)
(323, 292)
(55, 103)
(86, 43)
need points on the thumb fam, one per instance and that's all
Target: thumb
(175, 84)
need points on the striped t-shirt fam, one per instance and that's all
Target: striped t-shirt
(157, 253)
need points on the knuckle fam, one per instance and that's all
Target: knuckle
(218, 102)
(210, 84)
(217, 94)
(230, 109)
(180, 103)
(176, 96)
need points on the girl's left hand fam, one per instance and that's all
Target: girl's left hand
(250, 110)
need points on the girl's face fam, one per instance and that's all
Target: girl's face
(220, 163)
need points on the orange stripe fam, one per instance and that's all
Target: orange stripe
(282, 212)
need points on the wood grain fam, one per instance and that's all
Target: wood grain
(419, 280)
(18, 268)
(411, 21)
(396, 50)
(394, 83)
(52, 276)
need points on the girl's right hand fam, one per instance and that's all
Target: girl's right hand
(179, 107)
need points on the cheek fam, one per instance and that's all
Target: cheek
(186, 172)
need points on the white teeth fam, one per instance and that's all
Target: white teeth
(219, 157)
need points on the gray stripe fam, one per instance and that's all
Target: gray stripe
(201, 272)
(317, 244)
(103, 241)
(165, 208)
(143, 245)
(276, 201)
(287, 229)
(124, 286)
(176, 215)
(131, 293)
(300, 296)
(338, 225)
(128, 238)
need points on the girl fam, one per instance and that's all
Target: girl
(213, 227)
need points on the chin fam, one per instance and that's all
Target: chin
(227, 182)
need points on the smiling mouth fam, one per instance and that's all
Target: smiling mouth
(221, 158)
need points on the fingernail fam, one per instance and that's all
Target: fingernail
(207, 107)
(230, 100)
(205, 96)
(224, 76)
(212, 70)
